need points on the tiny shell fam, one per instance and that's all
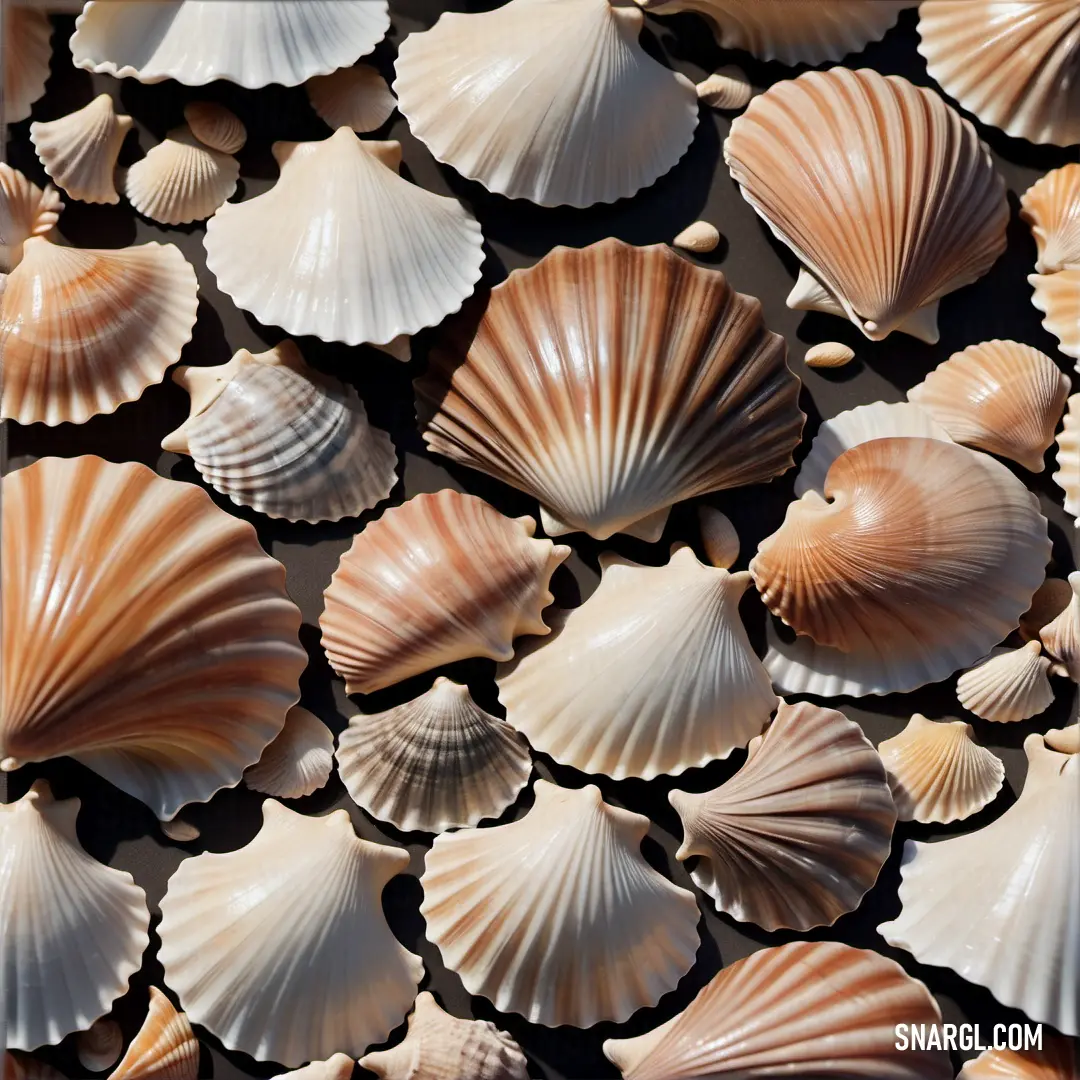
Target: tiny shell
(356, 97)
(718, 537)
(1061, 636)
(27, 49)
(1051, 598)
(726, 88)
(298, 761)
(829, 354)
(25, 211)
(100, 1045)
(215, 126)
(1067, 476)
(1051, 206)
(700, 237)
(165, 1047)
(1010, 685)
(338, 1067)
(1057, 296)
(1054, 1060)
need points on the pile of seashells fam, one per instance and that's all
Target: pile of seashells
(148, 636)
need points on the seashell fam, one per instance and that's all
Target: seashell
(343, 248)
(337, 1067)
(1051, 206)
(726, 88)
(356, 97)
(83, 330)
(1064, 740)
(1016, 67)
(557, 916)
(653, 674)
(1068, 457)
(298, 761)
(16, 1066)
(938, 772)
(276, 435)
(198, 41)
(919, 558)
(27, 51)
(25, 211)
(439, 1046)
(281, 949)
(829, 354)
(166, 670)
(182, 832)
(1054, 1060)
(808, 1008)
(215, 126)
(440, 578)
(100, 1045)
(180, 180)
(577, 113)
(560, 393)
(1057, 296)
(718, 537)
(797, 837)
(74, 929)
(79, 150)
(1061, 636)
(1051, 598)
(1025, 946)
(433, 763)
(816, 158)
(1000, 396)
(700, 237)
(165, 1047)
(1010, 685)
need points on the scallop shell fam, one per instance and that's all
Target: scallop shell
(165, 1047)
(575, 113)
(798, 835)
(180, 180)
(1010, 685)
(1061, 636)
(1000, 396)
(1067, 476)
(1051, 206)
(74, 929)
(440, 578)
(700, 237)
(278, 436)
(829, 354)
(100, 1045)
(808, 1008)
(198, 41)
(337, 1067)
(146, 633)
(433, 763)
(1057, 296)
(356, 97)
(25, 211)
(215, 126)
(1055, 1060)
(18, 1066)
(343, 248)
(1025, 946)
(1016, 66)
(27, 51)
(298, 762)
(653, 674)
(1064, 740)
(79, 151)
(1050, 600)
(611, 382)
(439, 1046)
(281, 949)
(921, 556)
(817, 158)
(726, 88)
(938, 772)
(557, 916)
(718, 537)
(83, 330)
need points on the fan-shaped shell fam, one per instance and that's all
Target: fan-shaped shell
(1016, 66)
(1055, 1060)
(1067, 476)
(356, 97)
(610, 382)
(298, 761)
(938, 771)
(181, 180)
(439, 1046)
(281, 948)
(74, 929)
(1057, 296)
(883, 192)
(575, 113)
(79, 150)
(653, 674)
(100, 1045)
(1051, 206)
(1025, 945)
(215, 126)
(808, 1008)
(25, 211)
(1061, 636)
(198, 41)
(1010, 685)
(1000, 396)
(146, 633)
(337, 1067)
(557, 916)
(27, 50)
(440, 578)
(278, 436)
(82, 330)
(165, 1047)
(433, 763)
(718, 537)
(798, 836)
(343, 248)
(920, 557)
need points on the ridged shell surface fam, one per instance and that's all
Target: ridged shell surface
(1010, 685)
(1067, 476)
(356, 97)
(99, 1047)
(25, 211)
(1061, 636)
(165, 1047)
(883, 192)
(281, 948)
(298, 761)
(1051, 206)
(557, 916)
(27, 51)
(653, 674)
(215, 126)
(611, 382)
(1056, 1060)
(1057, 296)
(718, 537)
(146, 633)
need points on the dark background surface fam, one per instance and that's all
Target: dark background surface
(122, 832)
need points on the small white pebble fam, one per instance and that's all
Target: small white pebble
(718, 537)
(829, 354)
(726, 88)
(699, 237)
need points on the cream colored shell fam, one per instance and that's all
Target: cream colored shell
(298, 761)
(718, 537)
(336, 1067)
(1010, 685)
(1055, 1060)
(25, 211)
(356, 97)
(1067, 476)
(1057, 296)
(165, 1047)
(100, 1045)
(1051, 206)
(726, 88)
(215, 126)
(27, 50)
(1065, 740)
(829, 354)
(1061, 636)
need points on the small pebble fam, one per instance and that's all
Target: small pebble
(726, 88)
(183, 832)
(829, 354)
(718, 536)
(700, 237)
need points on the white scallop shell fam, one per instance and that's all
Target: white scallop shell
(198, 41)
(74, 929)
(25, 211)
(574, 113)
(79, 151)
(100, 1045)
(281, 948)
(938, 771)
(165, 1047)
(1054, 1060)
(434, 763)
(653, 674)
(27, 50)
(726, 88)
(298, 761)
(557, 916)
(343, 248)
(718, 537)
(1010, 685)
(1024, 946)
(337, 1067)
(274, 434)
(1057, 296)
(356, 97)
(215, 126)
(1067, 476)
(1061, 636)
(1051, 206)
